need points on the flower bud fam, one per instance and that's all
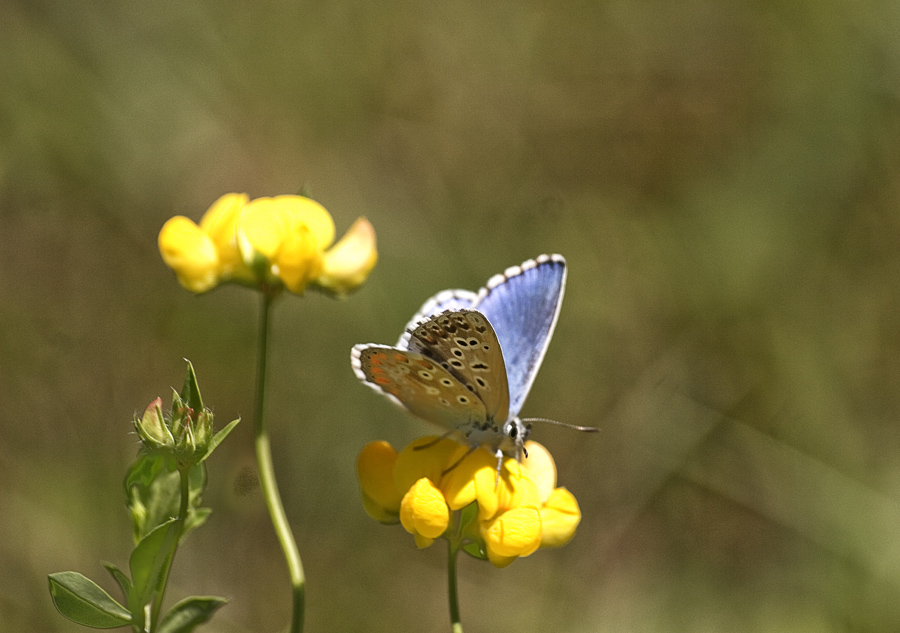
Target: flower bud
(152, 429)
(186, 439)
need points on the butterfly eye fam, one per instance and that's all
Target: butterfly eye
(513, 432)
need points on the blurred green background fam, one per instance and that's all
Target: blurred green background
(723, 178)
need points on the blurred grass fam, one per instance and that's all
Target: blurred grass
(723, 179)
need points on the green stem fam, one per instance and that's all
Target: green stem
(174, 537)
(455, 621)
(267, 477)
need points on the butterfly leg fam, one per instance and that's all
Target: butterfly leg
(435, 441)
(471, 450)
(499, 454)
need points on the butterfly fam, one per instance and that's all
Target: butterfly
(467, 360)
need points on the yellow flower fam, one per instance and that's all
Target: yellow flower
(190, 252)
(513, 533)
(346, 265)
(560, 516)
(375, 469)
(219, 223)
(424, 457)
(424, 512)
(278, 241)
(516, 514)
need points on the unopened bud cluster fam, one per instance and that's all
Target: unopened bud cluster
(183, 433)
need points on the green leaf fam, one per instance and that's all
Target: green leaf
(218, 437)
(83, 601)
(136, 609)
(153, 494)
(475, 549)
(468, 515)
(190, 612)
(195, 519)
(196, 483)
(143, 470)
(148, 560)
(120, 577)
(138, 481)
(190, 392)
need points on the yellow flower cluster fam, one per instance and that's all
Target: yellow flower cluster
(278, 241)
(523, 511)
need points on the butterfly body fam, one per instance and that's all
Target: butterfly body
(467, 360)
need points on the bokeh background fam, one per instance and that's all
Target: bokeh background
(723, 178)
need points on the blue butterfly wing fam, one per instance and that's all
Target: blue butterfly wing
(523, 304)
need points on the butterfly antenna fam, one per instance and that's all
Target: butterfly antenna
(575, 427)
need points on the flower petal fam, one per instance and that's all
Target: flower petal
(375, 470)
(220, 223)
(347, 264)
(299, 261)
(516, 488)
(424, 511)
(499, 561)
(415, 462)
(541, 469)
(290, 232)
(378, 512)
(559, 516)
(460, 485)
(516, 532)
(302, 211)
(190, 252)
(423, 542)
(262, 226)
